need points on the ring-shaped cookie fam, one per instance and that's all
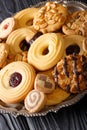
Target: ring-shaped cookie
(73, 44)
(7, 26)
(46, 51)
(17, 37)
(25, 17)
(16, 80)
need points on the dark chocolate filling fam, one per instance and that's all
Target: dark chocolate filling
(34, 38)
(25, 45)
(72, 49)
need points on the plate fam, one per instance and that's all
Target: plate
(18, 109)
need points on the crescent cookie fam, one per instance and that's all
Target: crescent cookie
(4, 51)
(35, 101)
(6, 27)
(50, 17)
(71, 73)
(18, 40)
(25, 17)
(16, 80)
(76, 23)
(46, 51)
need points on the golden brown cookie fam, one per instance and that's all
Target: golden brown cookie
(73, 44)
(16, 80)
(50, 17)
(71, 73)
(35, 101)
(56, 97)
(76, 23)
(4, 51)
(21, 56)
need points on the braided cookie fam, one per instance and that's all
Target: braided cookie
(25, 17)
(7, 26)
(50, 17)
(35, 101)
(46, 51)
(18, 40)
(16, 80)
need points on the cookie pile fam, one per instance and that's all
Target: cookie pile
(43, 56)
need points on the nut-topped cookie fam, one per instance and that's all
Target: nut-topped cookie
(76, 23)
(50, 17)
(71, 73)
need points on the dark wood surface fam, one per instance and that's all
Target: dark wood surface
(69, 118)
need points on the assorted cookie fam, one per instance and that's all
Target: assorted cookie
(76, 23)
(43, 56)
(16, 80)
(46, 51)
(50, 18)
(71, 73)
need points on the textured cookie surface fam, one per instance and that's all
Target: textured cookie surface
(71, 73)
(50, 17)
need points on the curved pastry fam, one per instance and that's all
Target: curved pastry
(50, 17)
(16, 80)
(46, 51)
(71, 73)
(35, 101)
(4, 51)
(6, 27)
(73, 44)
(18, 40)
(44, 83)
(25, 17)
(57, 96)
(74, 23)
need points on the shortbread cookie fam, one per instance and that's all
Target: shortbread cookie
(35, 101)
(50, 17)
(76, 23)
(44, 83)
(56, 97)
(16, 80)
(71, 73)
